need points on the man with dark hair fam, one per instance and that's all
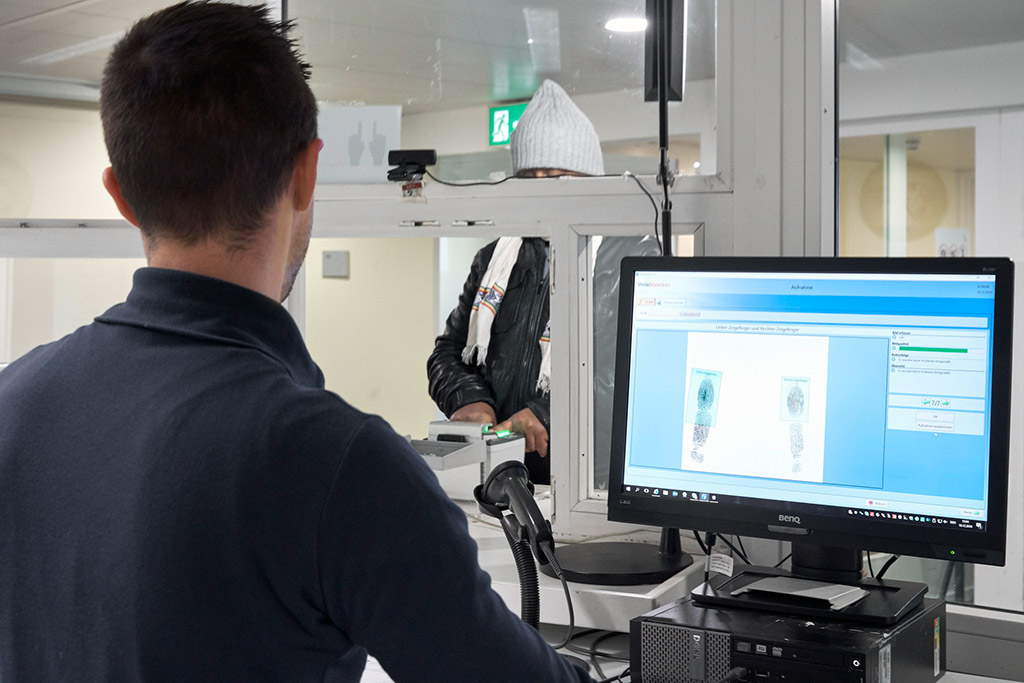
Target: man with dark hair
(180, 498)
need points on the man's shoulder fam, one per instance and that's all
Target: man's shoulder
(322, 419)
(42, 357)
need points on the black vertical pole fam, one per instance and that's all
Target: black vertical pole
(663, 30)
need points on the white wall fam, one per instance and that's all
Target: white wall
(6, 280)
(454, 256)
(53, 297)
(51, 159)
(371, 333)
(860, 192)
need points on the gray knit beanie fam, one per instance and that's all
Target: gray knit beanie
(554, 133)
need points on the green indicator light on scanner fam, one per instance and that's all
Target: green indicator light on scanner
(503, 433)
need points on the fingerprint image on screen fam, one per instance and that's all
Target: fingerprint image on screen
(744, 392)
(794, 411)
(705, 386)
(705, 399)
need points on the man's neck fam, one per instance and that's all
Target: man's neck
(249, 267)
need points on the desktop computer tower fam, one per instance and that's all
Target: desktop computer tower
(685, 642)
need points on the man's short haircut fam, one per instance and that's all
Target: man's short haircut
(205, 107)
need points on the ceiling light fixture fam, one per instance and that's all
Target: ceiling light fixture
(627, 24)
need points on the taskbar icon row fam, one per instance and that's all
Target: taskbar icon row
(971, 524)
(699, 496)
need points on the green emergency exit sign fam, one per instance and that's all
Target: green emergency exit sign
(503, 122)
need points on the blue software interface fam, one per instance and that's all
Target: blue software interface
(869, 393)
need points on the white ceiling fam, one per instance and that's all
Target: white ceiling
(890, 28)
(446, 54)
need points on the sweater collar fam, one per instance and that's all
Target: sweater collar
(201, 307)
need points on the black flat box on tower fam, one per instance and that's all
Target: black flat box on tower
(685, 642)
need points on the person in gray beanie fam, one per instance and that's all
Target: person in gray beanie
(492, 362)
(553, 137)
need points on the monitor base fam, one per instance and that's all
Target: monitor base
(617, 563)
(886, 601)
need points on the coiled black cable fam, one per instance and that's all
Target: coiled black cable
(529, 587)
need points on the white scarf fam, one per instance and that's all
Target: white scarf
(489, 296)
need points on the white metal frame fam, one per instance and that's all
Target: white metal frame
(69, 239)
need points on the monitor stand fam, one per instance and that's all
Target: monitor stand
(619, 563)
(825, 583)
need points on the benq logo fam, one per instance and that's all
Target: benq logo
(789, 518)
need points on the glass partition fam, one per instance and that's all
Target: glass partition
(911, 193)
(606, 254)
(927, 100)
(907, 194)
(444, 65)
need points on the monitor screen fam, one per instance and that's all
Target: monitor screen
(851, 403)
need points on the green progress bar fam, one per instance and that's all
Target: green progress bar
(929, 348)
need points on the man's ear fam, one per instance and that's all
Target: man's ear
(304, 175)
(114, 190)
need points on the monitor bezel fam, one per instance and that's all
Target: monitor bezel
(818, 527)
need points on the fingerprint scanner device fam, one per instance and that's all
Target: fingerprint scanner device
(867, 601)
(458, 444)
(686, 642)
(837, 595)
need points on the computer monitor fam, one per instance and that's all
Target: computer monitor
(842, 404)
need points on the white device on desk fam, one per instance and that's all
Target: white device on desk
(458, 444)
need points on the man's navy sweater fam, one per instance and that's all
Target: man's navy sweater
(182, 500)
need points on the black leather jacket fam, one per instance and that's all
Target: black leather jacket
(508, 380)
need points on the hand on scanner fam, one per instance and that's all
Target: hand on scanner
(475, 412)
(526, 423)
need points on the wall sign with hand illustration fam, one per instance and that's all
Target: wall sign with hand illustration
(356, 143)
